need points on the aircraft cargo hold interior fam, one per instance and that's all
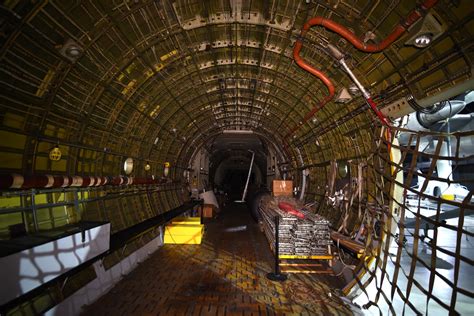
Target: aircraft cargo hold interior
(236, 157)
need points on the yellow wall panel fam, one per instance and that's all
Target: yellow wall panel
(42, 163)
(13, 201)
(444, 45)
(431, 79)
(13, 120)
(50, 130)
(41, 198)
(457, 66)
(10, 160)
(59, 211)
(59, 197)
(60, 165)
(9, 219)
(12, 140)
(44, 147)
(44, 218)
(61, 133)
(64, 149)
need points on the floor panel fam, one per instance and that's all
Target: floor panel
(225, 275)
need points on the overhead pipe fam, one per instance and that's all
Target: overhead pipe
(398, 31)
(321, 75)
(335, 27)
(17, 181)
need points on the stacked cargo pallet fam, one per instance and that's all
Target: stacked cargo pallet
(298, 237)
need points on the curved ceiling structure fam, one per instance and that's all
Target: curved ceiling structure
(180, 71)
(160, 81)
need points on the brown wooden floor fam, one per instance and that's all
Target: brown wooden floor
(225, 275)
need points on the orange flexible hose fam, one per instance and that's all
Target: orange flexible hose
(315, 72)
(401, 28)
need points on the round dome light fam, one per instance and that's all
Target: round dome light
(423, 40)
(147, 167)
(166, 170)
(73, 51)
(128, 166)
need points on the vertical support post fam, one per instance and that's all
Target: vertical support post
(33, 210)
(277, 245)
(76, 205)
(276, 275)
(24, 215)
(248, 177)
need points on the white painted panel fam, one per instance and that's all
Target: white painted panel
(105, 280)
(23, 271)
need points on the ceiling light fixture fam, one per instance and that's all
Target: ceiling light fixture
(422, 40)
(71, 50)
(354, 90)
(166, 170)
(425, 31)
(128, 166)
(344, 96)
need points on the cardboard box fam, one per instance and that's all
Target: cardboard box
(282, 188)
(208, 210)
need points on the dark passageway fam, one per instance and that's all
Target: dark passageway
(225, 275)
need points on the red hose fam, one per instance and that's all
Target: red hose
(315, 72)
(379, 114)
(401, 28)
(383, 120)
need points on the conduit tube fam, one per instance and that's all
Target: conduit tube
(17, 181)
